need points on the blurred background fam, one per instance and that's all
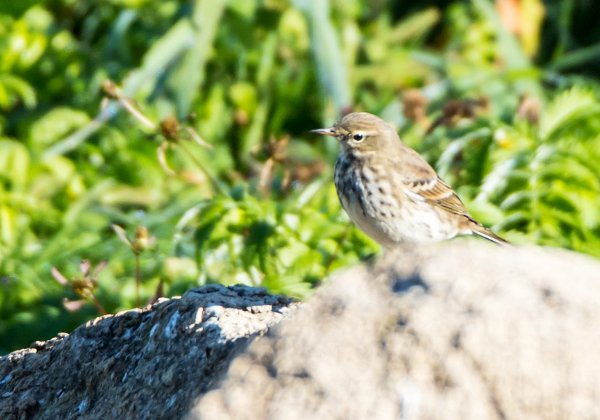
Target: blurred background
(109, 197)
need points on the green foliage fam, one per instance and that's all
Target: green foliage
(539, 184)
(559, 196)
(251, 78)
(286, 246)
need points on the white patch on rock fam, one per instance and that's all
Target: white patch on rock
(153, 330)
(82, 405)
(170, 328)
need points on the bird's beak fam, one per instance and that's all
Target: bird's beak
(325, 131)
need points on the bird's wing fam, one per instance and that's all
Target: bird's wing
(437, 192)
(421, 182)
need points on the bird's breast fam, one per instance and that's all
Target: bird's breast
(376, 200)
(363, 193)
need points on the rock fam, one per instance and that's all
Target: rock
(148, 363)
(462, 330)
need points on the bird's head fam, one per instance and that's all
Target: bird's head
(361, 131)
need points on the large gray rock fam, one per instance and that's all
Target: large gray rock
(453, 331)
(140, 364)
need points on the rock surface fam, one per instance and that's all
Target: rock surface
(453, 331)
(143, 364)
(462, 330)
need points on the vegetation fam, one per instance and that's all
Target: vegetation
(497, 96)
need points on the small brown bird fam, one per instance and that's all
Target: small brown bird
(390, 191)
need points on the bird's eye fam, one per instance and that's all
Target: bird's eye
(358, 136)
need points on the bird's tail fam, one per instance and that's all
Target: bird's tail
(484, 232)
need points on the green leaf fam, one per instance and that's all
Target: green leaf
(331, 67)
(14, 164)
(188, 76)
(567, 109)
(54, 125)
(14, 89)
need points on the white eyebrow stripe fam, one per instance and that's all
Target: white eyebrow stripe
(364, 132)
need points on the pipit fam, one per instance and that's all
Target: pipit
(390, 191)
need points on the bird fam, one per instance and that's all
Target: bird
(390, 191)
